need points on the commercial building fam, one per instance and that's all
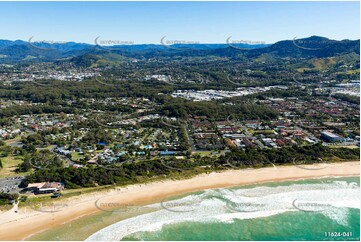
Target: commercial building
(330, 137)
(46, 187)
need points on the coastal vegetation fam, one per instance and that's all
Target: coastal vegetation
(129, 173)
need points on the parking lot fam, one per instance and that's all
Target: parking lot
(10, 184)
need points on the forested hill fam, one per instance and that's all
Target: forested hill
(314, 46)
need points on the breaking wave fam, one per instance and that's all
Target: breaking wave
(332, 199)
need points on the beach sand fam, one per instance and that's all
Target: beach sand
(27, 222)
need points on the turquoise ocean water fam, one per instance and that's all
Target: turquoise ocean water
(320, 209)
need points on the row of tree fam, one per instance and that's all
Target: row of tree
(130, 172)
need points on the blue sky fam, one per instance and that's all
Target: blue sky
(205, 22)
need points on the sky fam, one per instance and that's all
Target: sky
(203, 22)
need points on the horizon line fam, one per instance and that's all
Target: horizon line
(177, 41)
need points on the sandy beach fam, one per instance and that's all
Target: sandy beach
(27, 222)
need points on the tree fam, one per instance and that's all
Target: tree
(26, 165)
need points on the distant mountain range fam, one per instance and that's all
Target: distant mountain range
(314, 46)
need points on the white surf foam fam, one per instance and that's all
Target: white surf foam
(224, 205)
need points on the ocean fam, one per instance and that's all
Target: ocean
(314, 209)
(323, 209)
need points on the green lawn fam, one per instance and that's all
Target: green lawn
(10, 164)
(204, 153)
(76, 156)
(8, 141)
(265, 131)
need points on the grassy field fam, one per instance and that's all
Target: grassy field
(266, 131)
(16, 139)
(76, 156)
(353, 72)
(10, 164)
(205, 153)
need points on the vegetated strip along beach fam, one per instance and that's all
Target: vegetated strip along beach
(27, 222)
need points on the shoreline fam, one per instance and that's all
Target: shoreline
(25, 223)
